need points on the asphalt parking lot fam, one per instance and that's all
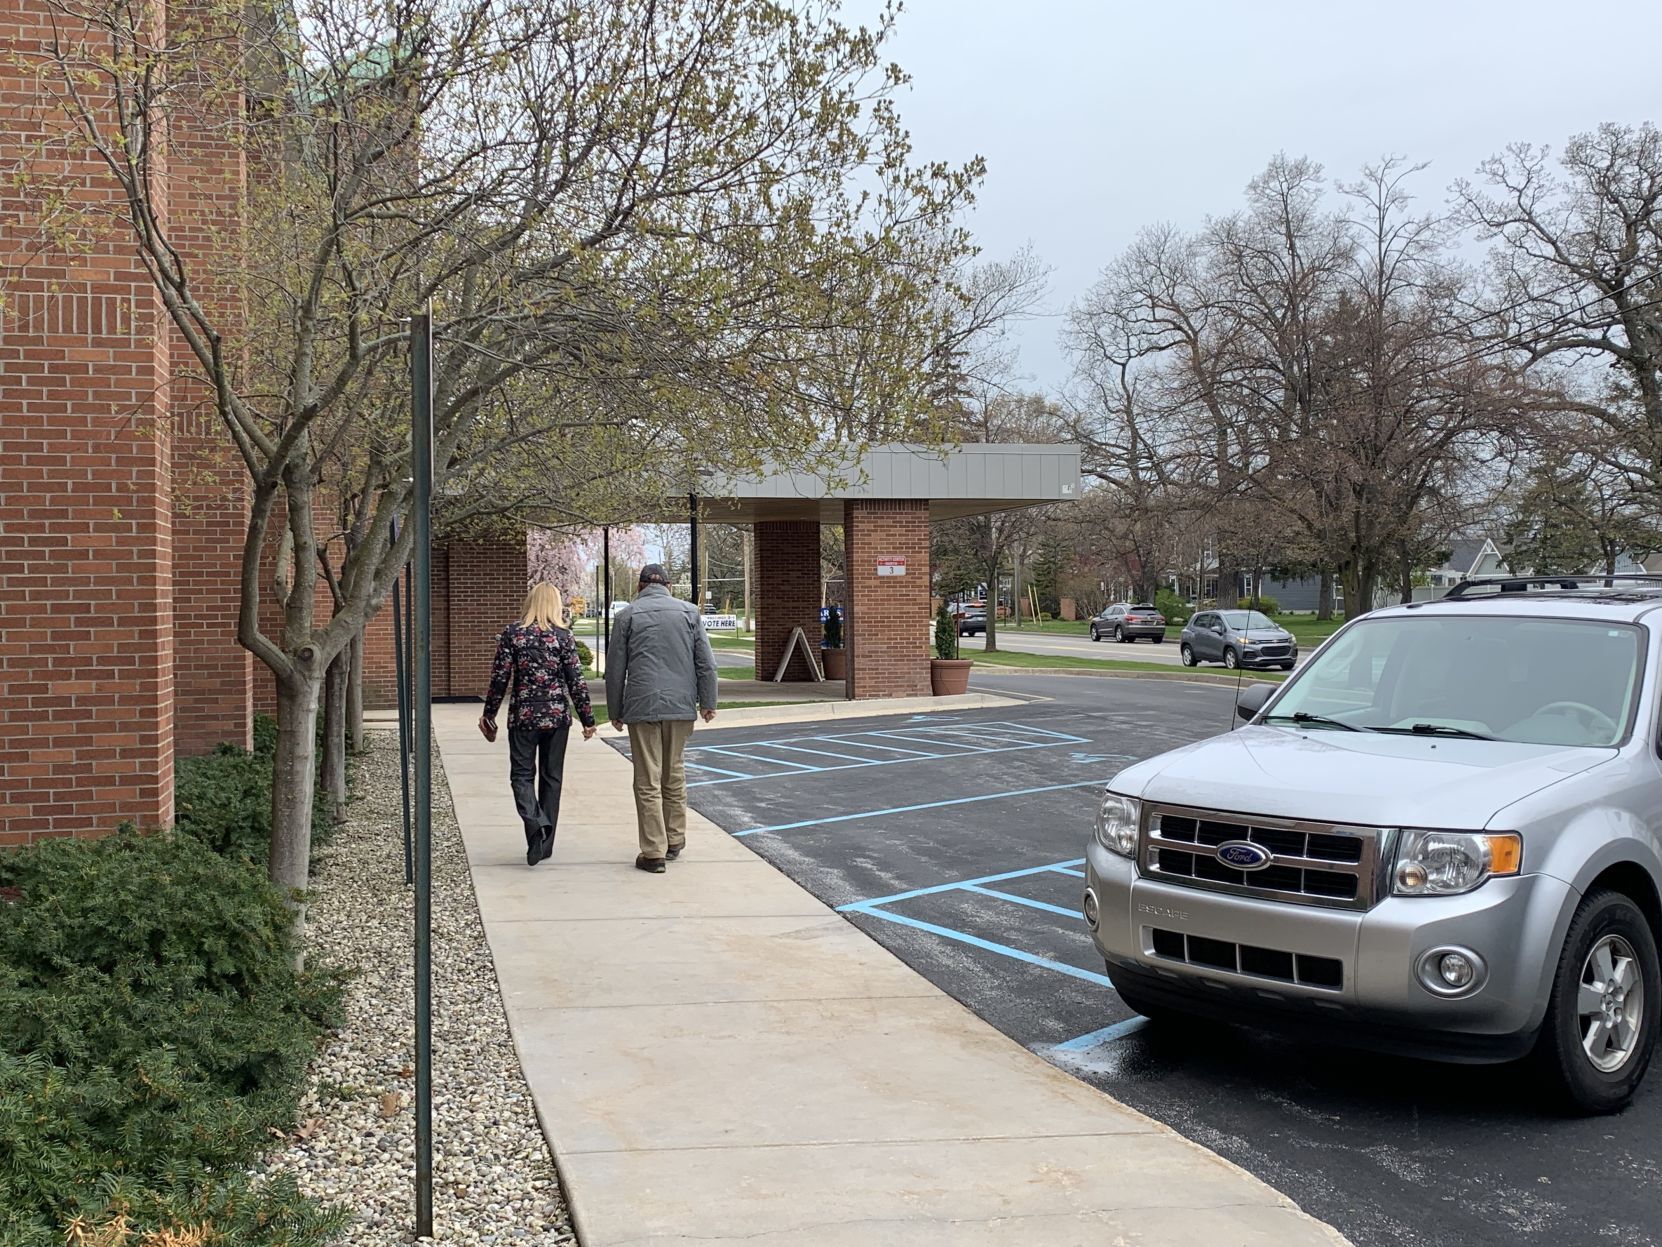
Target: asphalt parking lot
(956, 841)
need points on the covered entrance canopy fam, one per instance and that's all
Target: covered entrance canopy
(885, 497)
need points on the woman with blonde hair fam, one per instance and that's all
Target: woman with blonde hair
(539, 655)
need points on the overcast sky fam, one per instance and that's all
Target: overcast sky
(1099, 118)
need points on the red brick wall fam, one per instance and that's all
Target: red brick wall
(215, 675)
(787, 593)
(888, 616)
(86, 611)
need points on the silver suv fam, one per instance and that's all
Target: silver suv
(1443, 837)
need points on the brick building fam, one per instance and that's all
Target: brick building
(896, 492)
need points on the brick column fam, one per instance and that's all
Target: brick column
(86, 542)
(484, 589)
(787, 593)
(215, 675)
(888, 616)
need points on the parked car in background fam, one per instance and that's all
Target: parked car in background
(1442, 837)
(1238, 638)
(972, 621)
(1126, 623)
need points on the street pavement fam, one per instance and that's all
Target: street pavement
(960, 852)
(1066, 645)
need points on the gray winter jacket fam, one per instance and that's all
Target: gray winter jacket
(660, 665)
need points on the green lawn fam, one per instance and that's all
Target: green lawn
(1011, 658)
(732, 640)
(736, 673)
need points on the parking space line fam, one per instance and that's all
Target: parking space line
(961, 883)
(912, 809)
(975, 941)
(728, 752)
(867, 744)
(920, 757)
(1077, 874)
(699, 766)
(1022, 900)
(821, 753)
(1119, 1030)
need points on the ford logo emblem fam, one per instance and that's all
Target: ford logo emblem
(1243, 855)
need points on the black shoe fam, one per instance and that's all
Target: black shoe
(545, 848)
(673, 852)
(533, 848)
(652, 865)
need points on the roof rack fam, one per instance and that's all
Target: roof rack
(1523, 584)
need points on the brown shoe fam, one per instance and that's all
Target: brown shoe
(652, 865)
(674, 852)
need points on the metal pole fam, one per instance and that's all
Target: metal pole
(606, 587)
(692, 551)
(421, 454)
(402, 670)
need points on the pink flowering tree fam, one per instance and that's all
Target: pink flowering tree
(566, 558)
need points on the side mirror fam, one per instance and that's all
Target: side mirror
(1253, 699)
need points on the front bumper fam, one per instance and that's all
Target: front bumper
(1256, 661)
(1516, 926)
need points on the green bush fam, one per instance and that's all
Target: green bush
(153, 1031)
(223, 798)
(1174, 608)
(946, 633)
(585, 655)
(1263, 602)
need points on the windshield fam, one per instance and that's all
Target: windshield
(1531, 681)
(1239, 620)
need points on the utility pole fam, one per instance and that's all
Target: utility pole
(692, 552)
(745, 546)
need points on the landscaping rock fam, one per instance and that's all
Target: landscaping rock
(493, 1177)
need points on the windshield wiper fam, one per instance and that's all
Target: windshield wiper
(1320, 720)
(1437, 729)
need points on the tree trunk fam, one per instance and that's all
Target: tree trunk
(989, 638)
(1324, 594)
(334, 735)
(1229, 579)
(355, 696)
(1407, 578)
(293, 780)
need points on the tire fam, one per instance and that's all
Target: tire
(1119, 634)
(1159, 640)
(1095, 635)
(1186, 654)
(1230, 660)
(1606, 921)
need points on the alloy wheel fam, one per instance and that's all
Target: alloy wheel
(1611, 1004)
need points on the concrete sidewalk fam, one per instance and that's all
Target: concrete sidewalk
(717, 1057)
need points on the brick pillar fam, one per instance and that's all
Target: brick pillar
(787, 593)
(888, 616)
(86, 608)
(484, 589)
(214, 678)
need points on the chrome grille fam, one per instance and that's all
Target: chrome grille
(1310, 863)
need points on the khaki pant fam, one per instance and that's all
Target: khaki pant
(660, 783)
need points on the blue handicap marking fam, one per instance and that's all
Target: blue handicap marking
(1098, 757)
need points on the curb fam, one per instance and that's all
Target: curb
(807, 711)
(1185, 676)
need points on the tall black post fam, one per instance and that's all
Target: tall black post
(606, 588)
(402, 672)
(421, 464)
(692, 574)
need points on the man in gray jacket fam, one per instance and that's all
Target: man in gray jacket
(660, 675)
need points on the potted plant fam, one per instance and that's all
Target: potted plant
(948, 673)
(833, 658)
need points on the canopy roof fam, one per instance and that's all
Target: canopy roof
(956, 481)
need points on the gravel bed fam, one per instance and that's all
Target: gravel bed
(493, 1177)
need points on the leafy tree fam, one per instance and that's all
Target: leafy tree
(647, 229)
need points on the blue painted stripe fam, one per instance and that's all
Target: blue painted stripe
(922, 757)
(1119, 1030)
(923, 738)
(873, 744)
(1077, 874)
(699, 766)
(975, 941)
(912, 809)
(854, 731)
(1024, 900)
(961, 883)
(821, 753)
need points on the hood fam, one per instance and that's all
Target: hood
(1355, 777)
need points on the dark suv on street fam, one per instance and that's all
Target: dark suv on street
(1127, 623)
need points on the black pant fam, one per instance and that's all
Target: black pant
(536, 764)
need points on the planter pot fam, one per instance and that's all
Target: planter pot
(949, 676)
(835, 662)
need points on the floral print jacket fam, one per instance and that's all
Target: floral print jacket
(547, 676)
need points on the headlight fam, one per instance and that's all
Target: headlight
(1443, 863)
(1117, 820)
